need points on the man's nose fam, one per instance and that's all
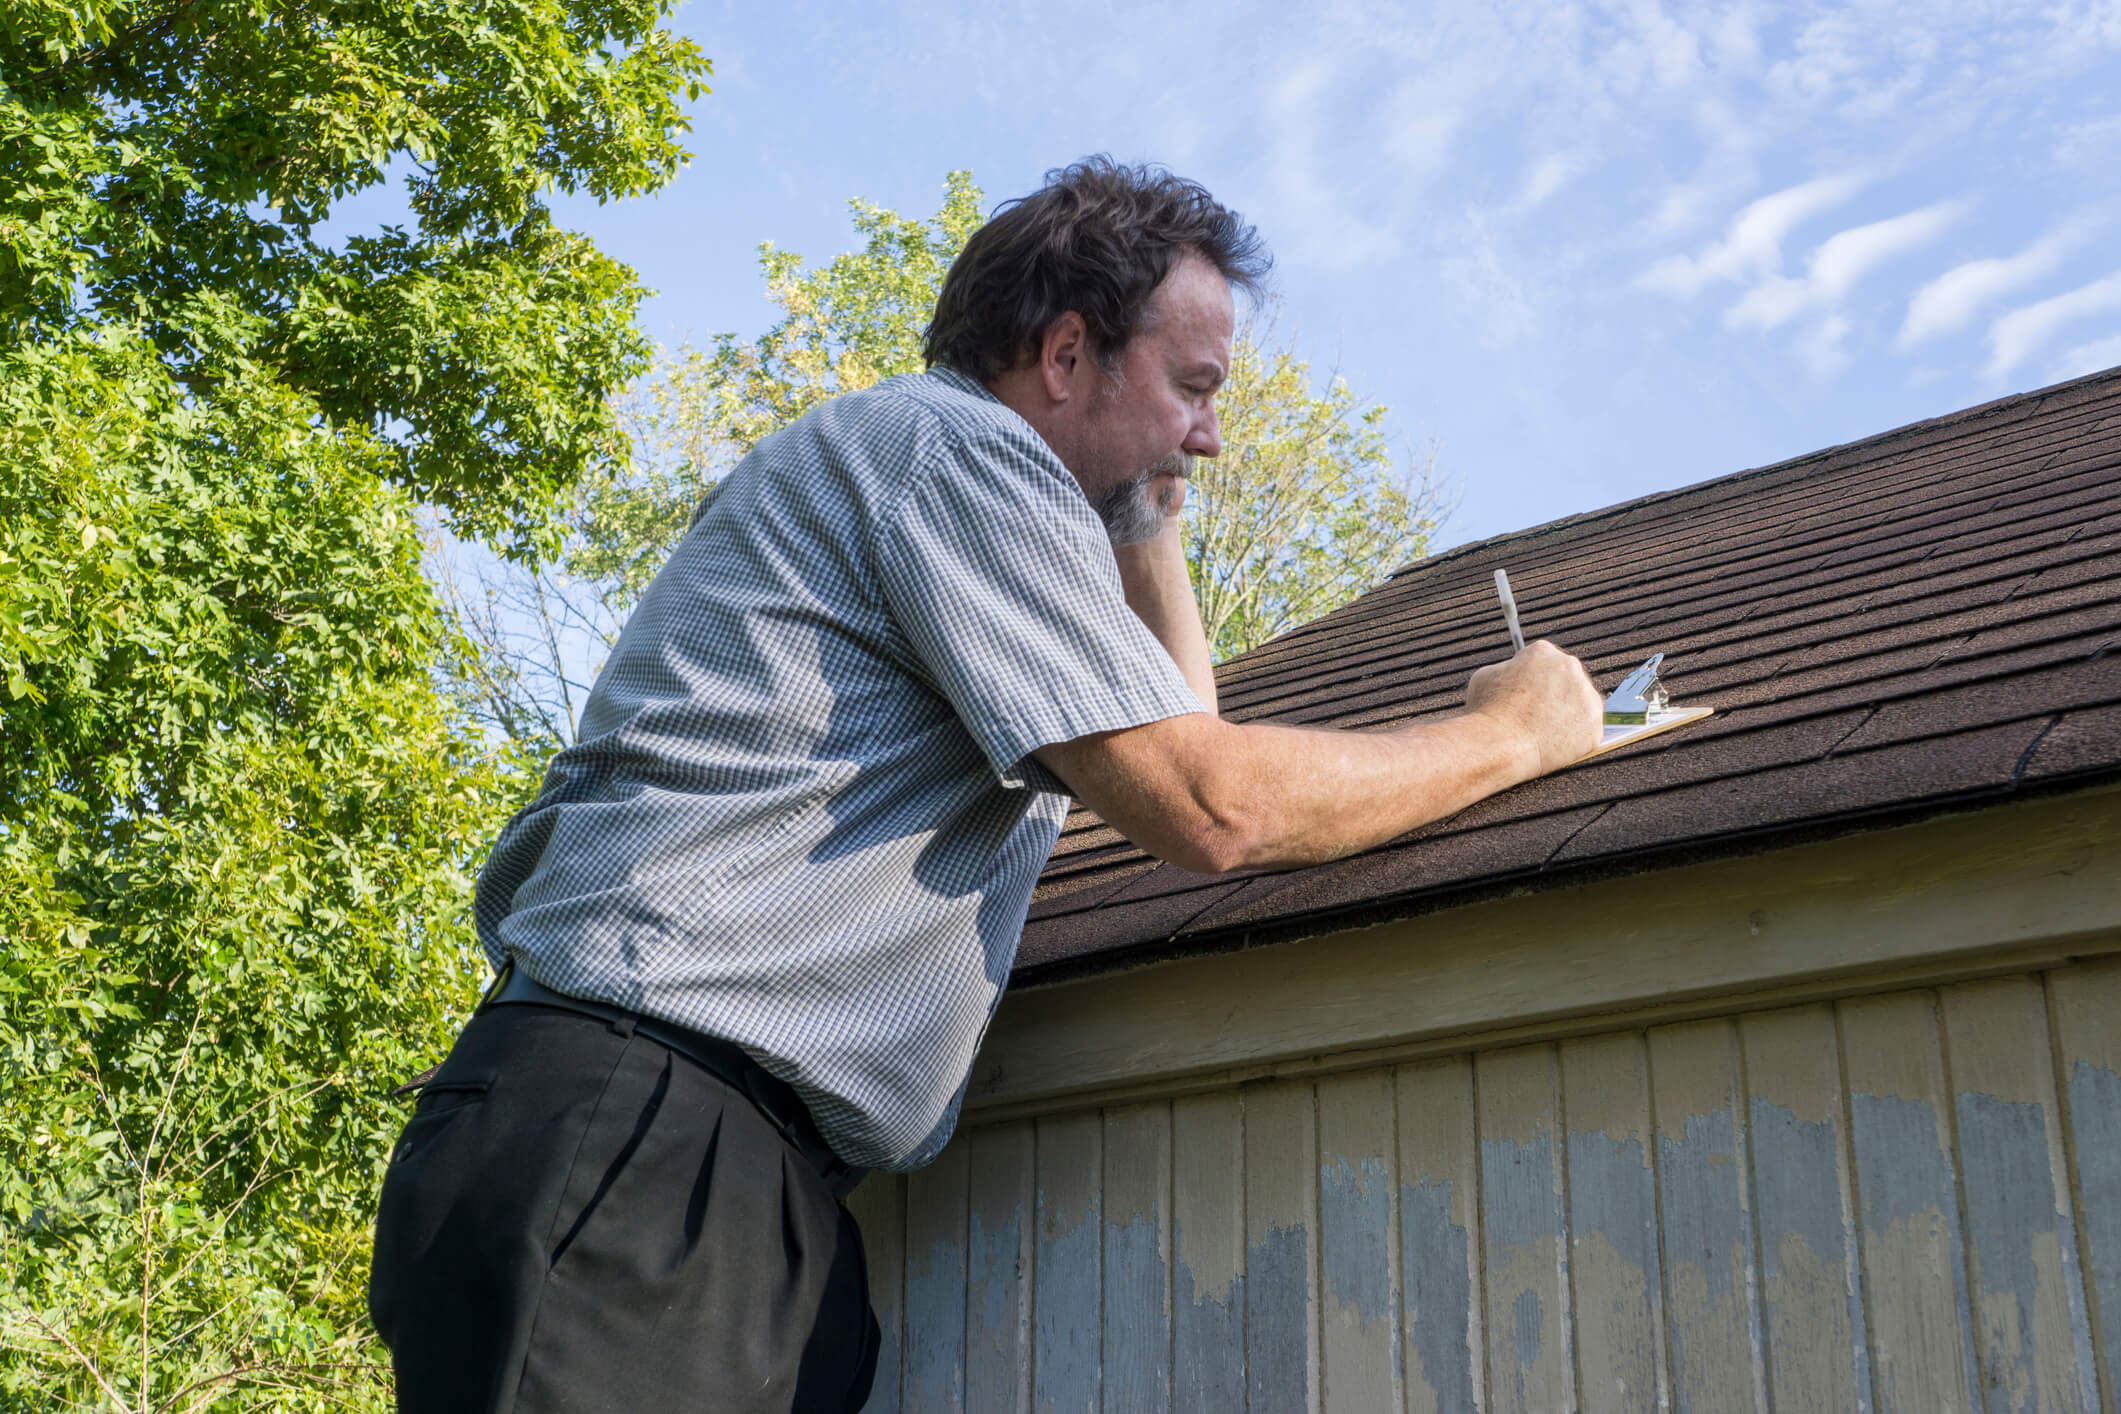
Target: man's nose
(1205, 438)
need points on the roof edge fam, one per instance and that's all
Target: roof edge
(1419, 903)
(1991, 408)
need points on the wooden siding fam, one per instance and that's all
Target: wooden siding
(1900, 1203)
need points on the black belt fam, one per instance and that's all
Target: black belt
(782, 1107)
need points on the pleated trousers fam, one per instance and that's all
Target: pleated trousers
(578, 1218)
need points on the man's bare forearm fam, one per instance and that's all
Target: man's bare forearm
(1161, 595)
(1211, 795)
(1225, 795)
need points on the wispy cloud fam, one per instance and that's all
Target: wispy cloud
(1822, 349)
(1839, 262)
(2092, 357)
(1548, 175)
(2088, 143)
(2018, 335)
(1752, 247)
(1315, 211)
(1948, 302)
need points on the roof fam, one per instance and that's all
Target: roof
(1919, 622)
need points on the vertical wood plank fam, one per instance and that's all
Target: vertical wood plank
(1066, 1273)
(1907, 1197)
(2085, 1001)
(1439, 1238)
(879, 1208)
(998, 1232)
(1137, 1276)
(1208, 1270)
(1617, 1291)
(1711, 1306)
(935, 1283)
(1359, 1350)
(1524, 1232)
(2030, 1335)
(1818, 1354)
(1281, 1295)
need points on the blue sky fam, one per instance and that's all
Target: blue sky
(1592, 250)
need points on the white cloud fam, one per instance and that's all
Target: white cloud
(1847, 257)
(1314, 216)
(2017, 335)
(1548, 175)
(1839, 262)
(1478, 276)
(1822, 349)
(2089, 143)
(1949, 301)
(2093, 357)
(1753, 245)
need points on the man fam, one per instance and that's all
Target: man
(752, 929)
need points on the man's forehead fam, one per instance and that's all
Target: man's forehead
(1195, 311)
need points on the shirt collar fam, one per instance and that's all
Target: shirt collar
(963, 382)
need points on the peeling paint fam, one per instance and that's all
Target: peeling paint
(1524, 1203)
(1525, 1229)
(1066, 1273)
(1820, 1354)
(1913, 1254)
(1436, 1274)
(2095, 1116)
(1698, 1169)
(1355, 1222)
(1708, 1242)
(1278, 1320)
(2013, 1222)
(1609, 1194)
(935, 1328)
(1137, 1334)
(1613, 1257)
(1208, 1341)
(1529, 1324)
(992, 1276)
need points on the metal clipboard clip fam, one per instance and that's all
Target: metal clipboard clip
(1639, 694)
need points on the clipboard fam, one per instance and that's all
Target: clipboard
(1618, 734)
(1641, 708)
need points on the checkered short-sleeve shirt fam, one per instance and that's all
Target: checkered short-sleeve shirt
(801, 813)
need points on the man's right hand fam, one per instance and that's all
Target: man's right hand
(1548, 699)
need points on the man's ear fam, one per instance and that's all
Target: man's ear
(1062, 351)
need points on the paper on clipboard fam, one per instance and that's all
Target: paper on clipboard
(1617, 736)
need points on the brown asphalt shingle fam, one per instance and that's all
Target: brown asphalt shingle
(1918, 622)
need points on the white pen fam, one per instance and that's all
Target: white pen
(1509, 608)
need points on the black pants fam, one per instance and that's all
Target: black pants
(579, 1219)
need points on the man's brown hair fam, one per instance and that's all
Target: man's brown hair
(1097, 238)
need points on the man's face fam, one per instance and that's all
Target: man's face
(1144, 425)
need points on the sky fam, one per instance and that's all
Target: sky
(1588, 250)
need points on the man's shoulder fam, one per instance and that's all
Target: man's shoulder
(944, 397)
(935, 419)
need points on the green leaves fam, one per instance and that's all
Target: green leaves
(846, 325)
(237, 817)
(1307, 507)
(175, 157)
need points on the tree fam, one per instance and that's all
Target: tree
(236, 811)
(1306, 509)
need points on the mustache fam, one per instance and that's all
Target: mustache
(1176, 464)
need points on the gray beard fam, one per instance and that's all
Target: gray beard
(1130, 516)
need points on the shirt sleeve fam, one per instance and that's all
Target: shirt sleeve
(1002, 579)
